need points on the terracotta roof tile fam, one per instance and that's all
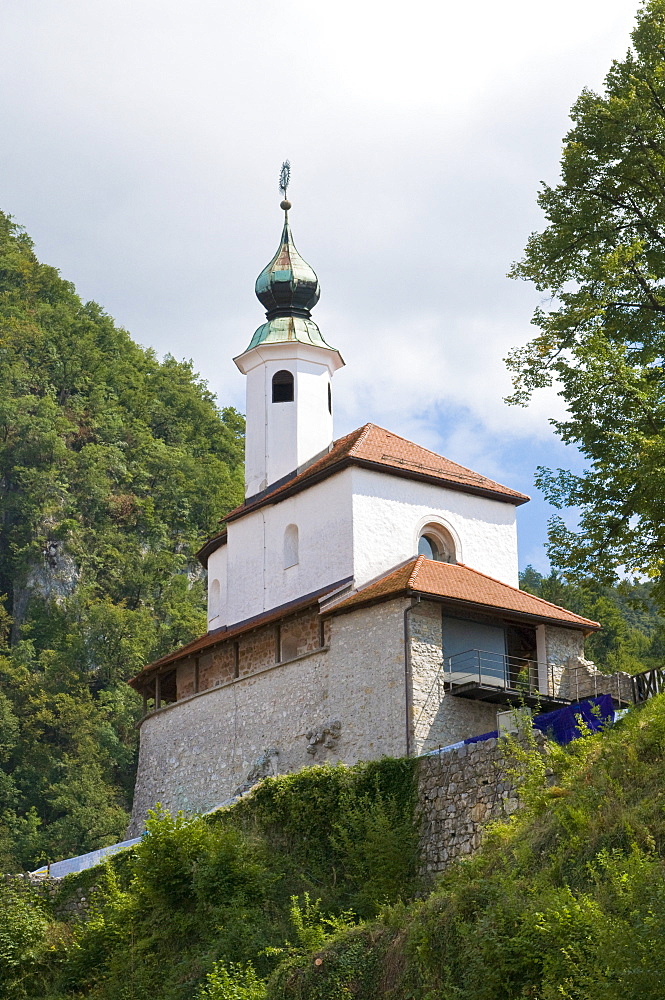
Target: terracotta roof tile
(395, 452)
(456, 582)
(375, 447)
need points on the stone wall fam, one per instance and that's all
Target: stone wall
(250, 652)
(74, 905)
(573, 677)
(437, 717)
(346, 700)
(581, 679)
(343, 702)
(562, 643)
(459, 792)
(339, 694)
(561, 646)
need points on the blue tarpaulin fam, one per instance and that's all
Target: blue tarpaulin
(479, 739)
(563, 725)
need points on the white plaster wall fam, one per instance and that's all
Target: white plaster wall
(257, 578)
(281, 437)
(388, 511)
(256, 475)
(217, 571)
(315, 423)
(195, 753)
(359, 523)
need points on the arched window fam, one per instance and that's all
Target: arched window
(290, 546)
(435, 542)
(282, 387)
(215, 599)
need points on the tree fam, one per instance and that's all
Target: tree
(632, 635)
(601, 262)
(114, 467)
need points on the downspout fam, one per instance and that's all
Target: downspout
(407, 673)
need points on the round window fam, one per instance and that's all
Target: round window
(437, 544)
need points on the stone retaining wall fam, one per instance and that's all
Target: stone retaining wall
(459, 792)
(75, 906)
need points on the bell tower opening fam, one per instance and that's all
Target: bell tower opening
(282, 387)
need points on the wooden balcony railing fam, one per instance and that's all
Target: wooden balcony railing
(647, 684)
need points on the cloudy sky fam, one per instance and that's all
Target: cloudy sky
(141, 145)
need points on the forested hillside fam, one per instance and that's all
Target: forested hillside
(113, 467)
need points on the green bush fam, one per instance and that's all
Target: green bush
(251, 885)
(24, 944)
(235, 982)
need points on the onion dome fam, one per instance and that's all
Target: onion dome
(288, 288)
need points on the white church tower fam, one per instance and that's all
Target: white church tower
(289, 368)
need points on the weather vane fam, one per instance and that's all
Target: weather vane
(284, 178)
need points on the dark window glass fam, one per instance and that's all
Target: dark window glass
(427, 548)
(329, 398)
(282, 387)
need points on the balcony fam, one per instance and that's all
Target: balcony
(482, 675)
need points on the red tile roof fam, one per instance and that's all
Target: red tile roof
(459, 583)
(373, 447)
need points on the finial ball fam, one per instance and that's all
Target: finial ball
(286, 205)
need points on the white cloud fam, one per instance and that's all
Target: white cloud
(142, 141)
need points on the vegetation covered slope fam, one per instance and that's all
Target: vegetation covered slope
(113, 466)
(308, 891)
(303, 855)
(564, 902)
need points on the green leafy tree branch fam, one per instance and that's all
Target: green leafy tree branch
(600, 262)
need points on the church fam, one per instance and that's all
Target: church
(363, 600)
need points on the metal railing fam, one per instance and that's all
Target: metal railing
(491, 669)
(531, 678)
(481, 666)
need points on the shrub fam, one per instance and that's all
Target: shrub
(24, 948)
(232, 982)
